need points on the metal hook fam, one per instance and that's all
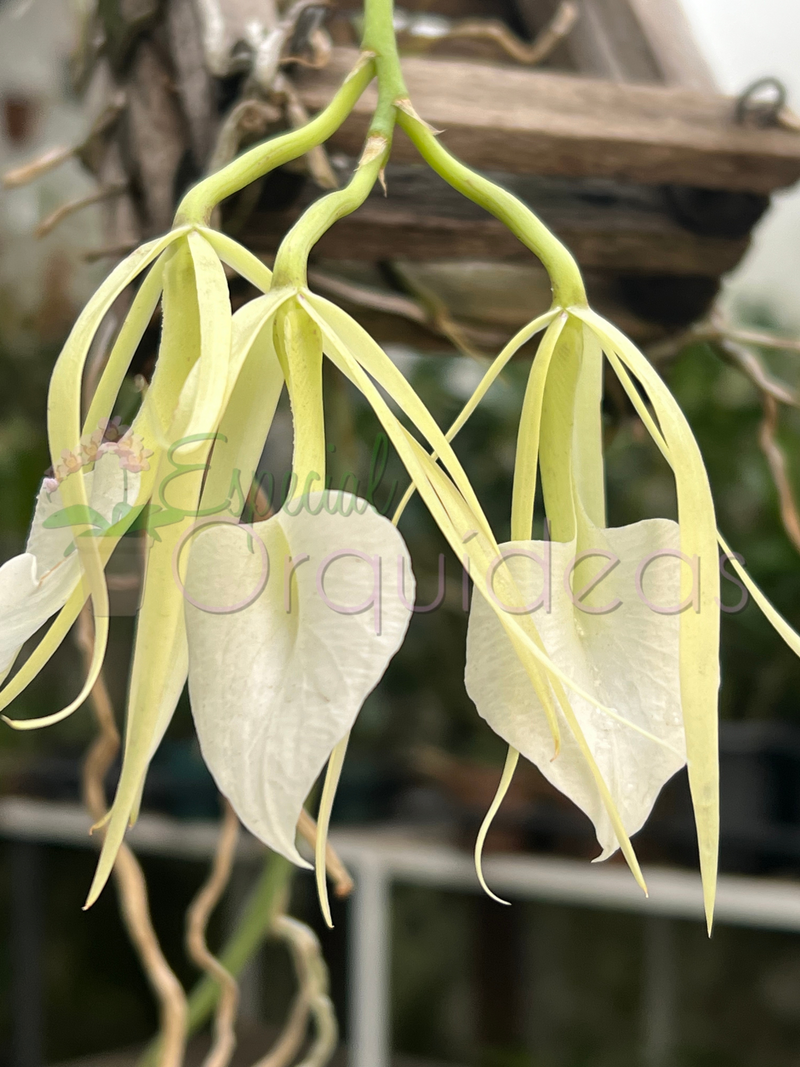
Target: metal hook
(753, 108)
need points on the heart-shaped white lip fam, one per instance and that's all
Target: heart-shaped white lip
(291, 624)
(616, 644)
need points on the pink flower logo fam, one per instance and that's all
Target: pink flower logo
(91, 447)
(110, 437)
(132, 454)
(70, 463)
(112, 430)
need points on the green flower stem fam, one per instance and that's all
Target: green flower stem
(379, 42)
(198, 204)
(379, 39)
(292, 259)
(568, 288)
(266, 900)
(298, 343)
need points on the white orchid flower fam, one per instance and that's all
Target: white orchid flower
(284, 626)
(628, 617)
(203, 422)
(205, 418)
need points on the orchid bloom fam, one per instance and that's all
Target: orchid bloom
(300, 656)
(204, 421)
(629, 615)
(284, 626)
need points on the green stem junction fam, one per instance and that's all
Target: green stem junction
(379, 58)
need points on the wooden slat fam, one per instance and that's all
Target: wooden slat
(538, 122)
(606, 225)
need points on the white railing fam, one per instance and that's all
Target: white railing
(381, 856)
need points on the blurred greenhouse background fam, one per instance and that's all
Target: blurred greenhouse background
(540, 984)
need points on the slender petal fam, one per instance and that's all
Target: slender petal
(37, 583)
(63, 422)
(699, 626)
(249, 396)
(465, 529)
(487, 381)
(196, 344)
(239, 258)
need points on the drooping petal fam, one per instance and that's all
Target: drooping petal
(530, 428)
(187, 480)
(484, 385)
(214, 325)
(150, 426)
(197, 353)
(344, 338)
(590, 482)
(789, 635)
(255, 385)
(699, 645)
(128, 339)
(239, 258)
(65, 384)
(616, 643)
(27, 602)
(465, 526)
(461, 520)
(288, 634)
(63, 421)
(37, 583)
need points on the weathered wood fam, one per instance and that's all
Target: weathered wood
(606, 42)
(607, 225)
(628, 41)
(539, 122)
(193, 83)
(156, 138)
